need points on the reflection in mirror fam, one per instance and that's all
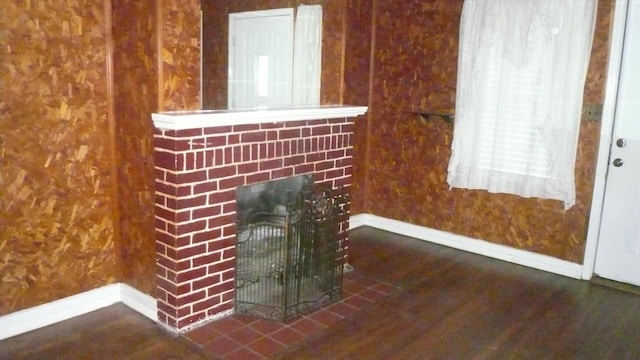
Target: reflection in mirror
(273, 63)
(260, 58)
(307, 55)
(217, 70)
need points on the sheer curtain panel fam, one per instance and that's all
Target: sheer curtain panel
(307, 55)
(522, 67)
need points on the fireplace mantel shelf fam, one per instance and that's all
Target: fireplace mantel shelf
(182, 120)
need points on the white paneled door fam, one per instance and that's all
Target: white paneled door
(618, 252)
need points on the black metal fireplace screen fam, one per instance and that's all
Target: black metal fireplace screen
(289, 259)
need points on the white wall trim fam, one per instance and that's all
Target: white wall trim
(40, 316)
(43, 315)
(181, 120)
(477, 246)
(606, 134)
(139, 301)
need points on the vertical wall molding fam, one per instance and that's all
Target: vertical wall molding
(343, 53)
(159, 44)
(111, 119)
(372, 70)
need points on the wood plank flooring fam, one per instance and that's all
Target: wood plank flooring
(115, 332)
(456, 305)
(452, 305)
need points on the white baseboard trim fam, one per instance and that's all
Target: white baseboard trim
(43, 315)
(139, 301)
(477, 246)
(40, 316)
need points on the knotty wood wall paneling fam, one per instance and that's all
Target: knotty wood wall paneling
(333, 47)
(215, 49)
(215, 34)
(357, 64)
(180, 55)
(156, 69)
(56, 218)
(57, 226)
(136, 97)
(415, 63)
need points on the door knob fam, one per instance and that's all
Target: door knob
(621, 143)
(617, 162)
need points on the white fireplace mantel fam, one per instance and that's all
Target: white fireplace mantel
(182, 120)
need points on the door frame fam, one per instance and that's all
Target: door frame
(606, 137)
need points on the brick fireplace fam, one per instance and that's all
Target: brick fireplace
(200, 160)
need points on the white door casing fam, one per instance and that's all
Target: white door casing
(260, 58)
(617, 255)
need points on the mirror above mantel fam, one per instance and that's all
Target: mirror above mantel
(215, 47)
(274, 61)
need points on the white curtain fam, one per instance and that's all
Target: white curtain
(521, 72)
(307, 53)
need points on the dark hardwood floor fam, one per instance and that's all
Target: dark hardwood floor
(452, 305)
(115, 332)
(456, 305)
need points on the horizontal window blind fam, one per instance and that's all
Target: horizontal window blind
(516, 145)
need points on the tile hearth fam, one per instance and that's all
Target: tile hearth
(242, 337)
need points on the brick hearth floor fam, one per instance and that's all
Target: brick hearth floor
(243, 337)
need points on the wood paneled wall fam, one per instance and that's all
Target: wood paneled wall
(79, 81)
(156, 68)
(135, 71)
(56, 204)
(414, 67)
(179, 48)
(358, 35)
(400, 59)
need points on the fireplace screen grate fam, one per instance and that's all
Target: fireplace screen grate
(289, 260)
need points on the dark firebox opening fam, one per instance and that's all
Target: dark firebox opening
(289, 249)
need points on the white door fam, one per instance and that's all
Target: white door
(260, 58)
(618, 253)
